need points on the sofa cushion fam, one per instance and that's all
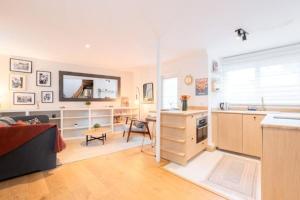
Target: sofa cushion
(134, 128)
(139, 124)
(3, 124)
(42, 118)
(8, 120)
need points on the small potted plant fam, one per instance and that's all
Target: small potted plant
(88, 103)
(96, 126)
(184, 100)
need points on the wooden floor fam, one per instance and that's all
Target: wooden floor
(120, 176)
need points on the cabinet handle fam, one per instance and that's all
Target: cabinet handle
(254, 117)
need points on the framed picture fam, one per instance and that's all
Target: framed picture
(17, 82)
(18, 65)
(47, 96)
(43, 78)
(201, 86)
(148, 96)
(24, 98)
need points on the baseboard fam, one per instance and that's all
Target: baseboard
(211, 148)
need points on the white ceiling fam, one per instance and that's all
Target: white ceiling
(123, 33)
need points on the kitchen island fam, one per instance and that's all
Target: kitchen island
(183, 134)
(281, 156)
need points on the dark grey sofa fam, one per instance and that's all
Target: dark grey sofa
(36, 155)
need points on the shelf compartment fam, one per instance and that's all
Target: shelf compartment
(100, 116)
(75, 128)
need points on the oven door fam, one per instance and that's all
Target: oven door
(201, 133)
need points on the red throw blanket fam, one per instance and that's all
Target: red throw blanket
(15, 136)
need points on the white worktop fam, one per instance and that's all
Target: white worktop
(179, 112)
(249, 112)
(282, 120)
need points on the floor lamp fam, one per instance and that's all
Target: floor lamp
(138, 100)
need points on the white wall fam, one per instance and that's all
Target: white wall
(145, 75)
(194, 63)
(127, 84)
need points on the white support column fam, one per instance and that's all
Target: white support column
(158, 102)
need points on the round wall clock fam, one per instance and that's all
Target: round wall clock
(188, 80)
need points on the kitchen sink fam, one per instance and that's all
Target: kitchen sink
(283, 117)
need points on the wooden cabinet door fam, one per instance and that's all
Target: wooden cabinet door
(252, 135)
(230, 132)
(214, 128)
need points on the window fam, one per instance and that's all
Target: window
(271, 76)
(169, 93)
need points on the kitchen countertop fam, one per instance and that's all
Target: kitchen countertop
(250, 112)
(282, 120)
(179, 112)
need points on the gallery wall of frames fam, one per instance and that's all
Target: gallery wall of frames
(32, 83)
(18, 80)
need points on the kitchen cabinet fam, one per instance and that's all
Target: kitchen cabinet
(214, 130)
(281, 164)
(179, 137)
(238, 132)
(230, 132)
(252, 135)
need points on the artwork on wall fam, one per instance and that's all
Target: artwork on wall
(124, 101)
(17, 82)
(148, 96)
(43, 78)
(201, 86)
(24, 98)
(18, 65)
(215, 66)
(47, 96)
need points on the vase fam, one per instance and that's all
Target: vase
(184, 105)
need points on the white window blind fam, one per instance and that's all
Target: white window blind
(271, 75)
(169, 93)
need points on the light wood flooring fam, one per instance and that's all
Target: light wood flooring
(124, 175)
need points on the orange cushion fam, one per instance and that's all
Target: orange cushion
(20, 123)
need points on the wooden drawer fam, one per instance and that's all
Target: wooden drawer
(173, 146)
(173, 156)
(175, 134)
(175, 120)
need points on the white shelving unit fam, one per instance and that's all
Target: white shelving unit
(72, 121)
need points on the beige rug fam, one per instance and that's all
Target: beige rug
(77, 150)
(232, 176)
(235, 174)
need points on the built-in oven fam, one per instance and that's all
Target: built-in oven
(201, 129)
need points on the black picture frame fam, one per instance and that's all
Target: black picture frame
(22, 71)
(37, 79)
(14, 98)
(61, 86)
(52, 97)
(148, 100)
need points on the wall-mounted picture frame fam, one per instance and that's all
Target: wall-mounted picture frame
(43, 78)
(23, 98)
(201, 86)
(17, 82)
(47, 96)
(148, 95)
(19, 65)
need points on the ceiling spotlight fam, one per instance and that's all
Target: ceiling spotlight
(241, 34)
(87, 46)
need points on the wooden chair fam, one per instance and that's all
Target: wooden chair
(136, 126)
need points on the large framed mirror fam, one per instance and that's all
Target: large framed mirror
(75, 86)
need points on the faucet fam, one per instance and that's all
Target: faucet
(262, 103)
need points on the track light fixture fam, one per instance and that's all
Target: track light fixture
(241, 33)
